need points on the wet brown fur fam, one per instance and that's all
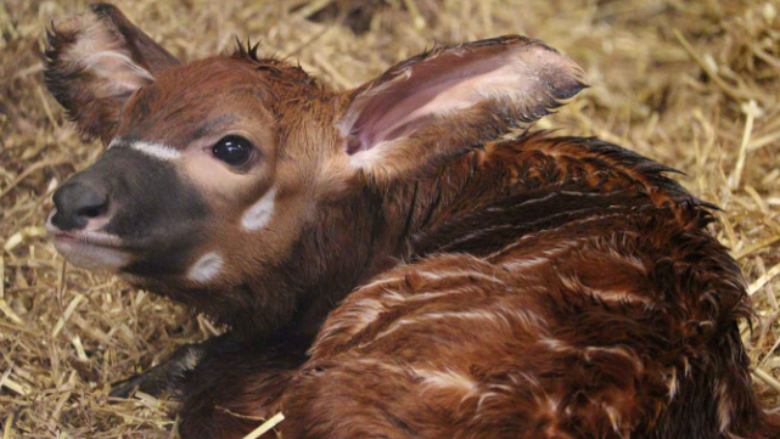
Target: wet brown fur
(624, 323)
(555, 287)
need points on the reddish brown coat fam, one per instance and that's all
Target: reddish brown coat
(587, 300)
(418, 278)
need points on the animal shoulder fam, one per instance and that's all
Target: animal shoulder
(487, 316)
(511, 189)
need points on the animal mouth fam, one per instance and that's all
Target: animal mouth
(90, 249)
(91, 238)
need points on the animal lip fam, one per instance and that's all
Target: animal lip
(96, 238)
(85, 237)
(91, 249)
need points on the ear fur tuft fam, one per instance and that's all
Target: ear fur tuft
(95, 61)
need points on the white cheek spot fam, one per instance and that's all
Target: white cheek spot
(258, 216)
(207, 268)
(157, 150)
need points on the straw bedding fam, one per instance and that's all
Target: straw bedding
(693, 84)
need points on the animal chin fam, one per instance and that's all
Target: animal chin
(91, 256)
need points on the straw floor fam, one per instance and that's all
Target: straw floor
(693, 84)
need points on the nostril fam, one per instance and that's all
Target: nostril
(93, 211)
(77, 203)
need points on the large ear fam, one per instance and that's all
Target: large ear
(95, 61)
(450, 99)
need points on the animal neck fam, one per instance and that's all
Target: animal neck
(517, 186)
(375, 228)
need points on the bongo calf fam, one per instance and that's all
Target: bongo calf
(386, 265)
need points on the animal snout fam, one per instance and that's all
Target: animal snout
(78, 202)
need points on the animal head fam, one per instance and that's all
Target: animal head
(217, 169)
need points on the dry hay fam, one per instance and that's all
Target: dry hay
(693, 84)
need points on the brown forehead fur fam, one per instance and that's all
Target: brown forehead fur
(183, 99)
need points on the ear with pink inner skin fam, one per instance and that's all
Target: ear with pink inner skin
(447, 100)
(95, 62)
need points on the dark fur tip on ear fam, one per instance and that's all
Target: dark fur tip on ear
(567, 85)
(565, 79)
(102, 9)
(57, 76)
(570, 92)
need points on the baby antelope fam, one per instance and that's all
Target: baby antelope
(389, 265)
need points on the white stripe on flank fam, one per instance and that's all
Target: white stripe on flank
(447, 379)
(157, 150)
(258, 216)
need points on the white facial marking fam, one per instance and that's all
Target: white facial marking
(258, 216)
(157, 150)
(207, 268)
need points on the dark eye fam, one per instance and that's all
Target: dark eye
(233, 150)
